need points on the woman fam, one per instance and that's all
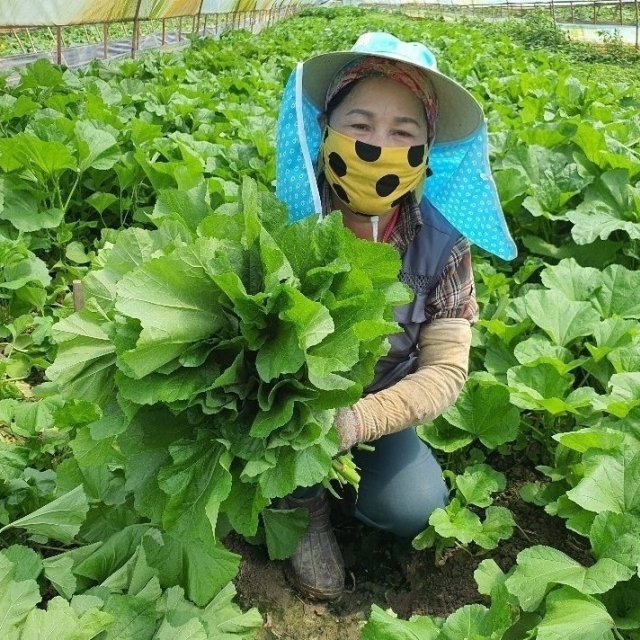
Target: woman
(400, 149)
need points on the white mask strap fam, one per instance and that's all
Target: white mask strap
(374, 222)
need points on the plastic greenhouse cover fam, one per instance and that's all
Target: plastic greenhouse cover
(18, 13)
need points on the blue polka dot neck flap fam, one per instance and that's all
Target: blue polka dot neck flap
(461, 186)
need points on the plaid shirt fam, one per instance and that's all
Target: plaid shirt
(454, 294)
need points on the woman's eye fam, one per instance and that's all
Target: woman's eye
(403, 134)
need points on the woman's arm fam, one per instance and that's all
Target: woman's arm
(443, 358)
(421, 396)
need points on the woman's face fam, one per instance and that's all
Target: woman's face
(381, 112)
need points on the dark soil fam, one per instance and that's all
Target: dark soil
(387, 571)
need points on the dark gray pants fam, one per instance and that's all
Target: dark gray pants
(401, 484)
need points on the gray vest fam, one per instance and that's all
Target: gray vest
(422, 265)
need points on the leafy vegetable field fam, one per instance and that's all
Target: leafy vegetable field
(146, 438)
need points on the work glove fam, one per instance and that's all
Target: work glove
(348, 426)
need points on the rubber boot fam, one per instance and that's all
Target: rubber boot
(316, 569)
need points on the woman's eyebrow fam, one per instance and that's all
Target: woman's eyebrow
(371, 115)
(406, 120)
(361, 112)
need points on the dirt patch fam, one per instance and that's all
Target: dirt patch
(387, 571)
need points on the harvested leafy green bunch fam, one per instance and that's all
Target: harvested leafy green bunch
(218, 346)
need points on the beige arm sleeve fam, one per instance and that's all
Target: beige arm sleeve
(421, 396)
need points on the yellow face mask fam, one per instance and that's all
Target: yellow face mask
(371, 180)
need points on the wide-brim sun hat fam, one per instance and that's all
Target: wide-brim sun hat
(460, 184)
(459, 113)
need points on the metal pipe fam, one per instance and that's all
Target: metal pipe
(59, 44)
(136, 32)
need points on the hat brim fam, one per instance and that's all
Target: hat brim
(459, 113)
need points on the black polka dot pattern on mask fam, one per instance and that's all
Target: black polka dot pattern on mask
(340, 192)
(338, 165)
(387, 185)
(415, 155)
(367, 152)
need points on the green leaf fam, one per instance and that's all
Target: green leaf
(222, 617)
(60, 519)
(197, 483)
(101, 201)
(27, 563)
(181, 385)
(442, 435)
(190, 630)
(284, 529)
(85, 363)
(611, 481)
(575, 282)
(301, 324)
(485, 411)
(498, 525)
(134, 617)
(551, 177)
(488, 575)
(172, 297)
(190, 207)
(540, 568)
(387, 626)
(475, 621)
(563, 320)
(58, 570)
(193, 560)
(297, 469)
(112, 554)
(538, 349)
(28, 151)
(617, 297)
(41, 73)
(577, 519)
(93, 453)
(617, 536)
(97, 148)
(624, 394)
(457, 522)
(276, 266)
(584, 439)
(611, 204)
(540, 387)
(145, 445)
(623, 604)
(25, 213)
(243, 505)
(28, 269)
(478, 482)
(571, 615)
(249, 203)
(62, 622)
(17, 598)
